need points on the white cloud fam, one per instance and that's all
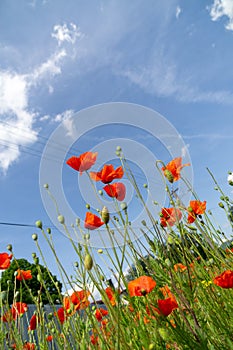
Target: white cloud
(16, 120)
(222, 8)
(178, 12)
(50, 68)
(162, 79)
(69, 33)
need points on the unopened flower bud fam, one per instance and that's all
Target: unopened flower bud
(100, 251)
(221, 205)
(34, 237)
(105, 215)
(145, 186)
(61, 219)
(88, 262)
(48, 230)
(39, 278)
(38, 224)
(170, 239)
(100, 192)
(9, 247)
(230, 179)
(168, 175)
(46, 186)
(88, 206)
(118, 149)
(123, 205)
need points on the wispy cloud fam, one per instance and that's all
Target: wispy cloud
(162, 79)
(222, 8)
(178, 12)
(208, 136)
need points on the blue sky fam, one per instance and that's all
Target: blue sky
(58, 58)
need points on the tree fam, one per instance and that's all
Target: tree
(41, 281)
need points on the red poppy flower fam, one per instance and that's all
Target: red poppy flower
(170, 216)
(29, 346)
(180, 267)
(195, 208)
(166, 306)
(5, 260)
(107, 174)
(172, 170)
(92, 221)
(111, 295)
(94, 339)
(83, 162)
(33, 323)
(80, 299)
(116, 190)
(141, 286)
(100, 313)
(225, 280)
(18, 309)
(49, 338)
(23, 275)
(60, 313)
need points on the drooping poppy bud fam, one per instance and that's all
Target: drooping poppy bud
(105, 215)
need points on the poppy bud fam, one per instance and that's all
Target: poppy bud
(88, 262)
(9, 247)
(123, 206)
(87, 236)
(170, 239)
(61, 219)
(34, 237)
(145, 186)
(46, 186)
(143, 222)
(100, 251)
(100, 192)
(118, 149)
(88, 206)
(76, 264)
(168, 175)
(230, 179)
(39, 278)
(38, 224)
(48, 230)
(221, 205)
(105, 215)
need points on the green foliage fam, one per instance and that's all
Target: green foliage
(41, 281)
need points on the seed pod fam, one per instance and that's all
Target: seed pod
(105, 215)
(88, 262)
